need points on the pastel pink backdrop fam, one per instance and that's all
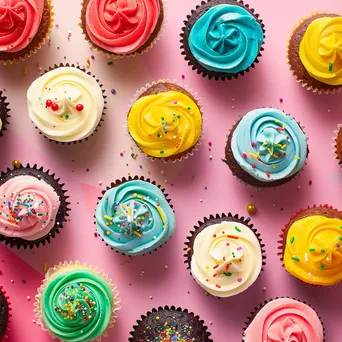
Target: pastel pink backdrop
(224, 103)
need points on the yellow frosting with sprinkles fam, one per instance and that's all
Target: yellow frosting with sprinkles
(313, 251)
(321, 50)
(165, 124)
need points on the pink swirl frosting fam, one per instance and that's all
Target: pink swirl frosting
(19, 23)
(28, 208)
(121, 26)
(285, 320)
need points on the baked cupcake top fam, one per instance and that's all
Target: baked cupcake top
(285, 319)
(66, 104)
(121, 27)
(226, 38)
(135, 217)
(76, 304)
(165, 124)
(313, 246)
(28, 208)
(20, 20)
(320, 50)
(269, 145)
(3, 313)
(170, 324)
(226, 259)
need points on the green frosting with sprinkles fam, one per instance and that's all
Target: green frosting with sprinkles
(77, 305)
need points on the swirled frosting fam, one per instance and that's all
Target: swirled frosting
(227, 38)
(66, 104)
(320, 50)
(285, 320)
(77, 305)
(121, 26)
(19, 23)
(227, 258)
(135, 218)
(313, 251)
(165, 124)
(269, 145)
(28, 208)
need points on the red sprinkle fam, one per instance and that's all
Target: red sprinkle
(214, 235)
(48, 103)
(218, 286)
(54, 107)
(227, 267)
(215, 267)
(268, 174)
(215, 275)
(253, 166)
(232, 237)
(79, 107)
(253, 144)
(244, 155)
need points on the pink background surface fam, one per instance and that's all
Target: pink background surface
(224, 103)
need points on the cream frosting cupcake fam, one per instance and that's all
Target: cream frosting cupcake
(225, 255)
(66, 104)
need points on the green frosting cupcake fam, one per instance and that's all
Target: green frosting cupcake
(77, 304)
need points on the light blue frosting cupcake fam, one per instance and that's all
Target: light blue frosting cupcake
(135, 218)
(226, 39)
(269, 145)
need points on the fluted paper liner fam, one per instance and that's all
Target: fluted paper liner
(9, 312)
(4, 119)
(334, 138)
(114, 56)
(198, 100)
(65, 267)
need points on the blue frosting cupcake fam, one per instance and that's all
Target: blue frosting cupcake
(134, 216)
(222, 38)
(266, 148)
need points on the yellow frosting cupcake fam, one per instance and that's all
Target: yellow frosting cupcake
(165, 121)
(312, 249)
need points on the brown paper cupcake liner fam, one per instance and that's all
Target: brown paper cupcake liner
(303, 83)
(4, 116)
(63, 211)
(34, 50)
(123, 180)
(9, 312)
(218, 218)
(184, 155)
(257, 309)
(60, 268)
(158, 32)
(268, 185)
(282, 241)
(196, 66)
(334, 138)
(61, 65)
(167, 308)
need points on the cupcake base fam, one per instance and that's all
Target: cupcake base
(338, 144)
(189, 23)
(297, 66)
(5, 309)
(62, 212)
(4, 116)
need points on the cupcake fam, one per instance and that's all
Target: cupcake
(3, 113)
(4, 313)
(24, 28)
(76, 302)
(284, 319)
(311, 246)
(66, 104)
(134, 216)
(225, 255)
(122, 28)
(338, 144)
(33, 206)
(314, 53)
(266, 148)
(222, 39)
(165, 121)
(170, 324)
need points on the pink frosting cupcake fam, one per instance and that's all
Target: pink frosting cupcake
(124, 27)
(284, 319)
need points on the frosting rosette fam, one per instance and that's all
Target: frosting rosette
(28, 208)
(226, 38)
(121, 26)
(165, 124)
(226, 259)
(313, 250)
(66, 104)
(285, 320)
(320, 50)
(19, 23)
(135, 217)
(269, 145)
